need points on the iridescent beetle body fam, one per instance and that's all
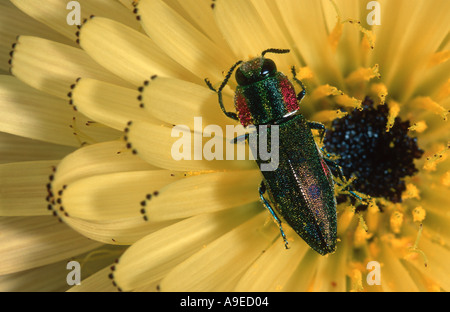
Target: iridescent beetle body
(301, 189)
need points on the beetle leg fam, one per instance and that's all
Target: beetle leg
(222, 107)
(262, 191)
(219, 92)
(318, 126)
(303, 92)
(332, 163)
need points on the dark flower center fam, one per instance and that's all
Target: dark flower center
(380, 160)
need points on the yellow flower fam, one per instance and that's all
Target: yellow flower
(87, 170)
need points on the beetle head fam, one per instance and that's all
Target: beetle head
(255, 70)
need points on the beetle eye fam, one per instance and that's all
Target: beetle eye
(268, 68)
(241, 79)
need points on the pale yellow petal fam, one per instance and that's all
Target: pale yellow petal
(97, 282)
(97, 159)
(220, 265)
(13, 22)
(418, 44)
(309, 33)
(107, 103)
(272, 270)
(178, 102)
(112, 196)
(55, 13)
(52, 67)
(118, 231)
(392, 34)
(48, 278)
(204, 194)
(15, 148)
(152, 257)
(250, 27)
(30, 242)
(155, 145)
(33, 114)
(394, 276)
(23, 188)
(437, 265)
(304, 276)
(126, 52)
(331, 271)
(182, 41)
(200, 15)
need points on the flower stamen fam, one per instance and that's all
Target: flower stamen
(416, 249)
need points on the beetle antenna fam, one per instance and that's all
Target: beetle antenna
(277, 51)
(227, 77)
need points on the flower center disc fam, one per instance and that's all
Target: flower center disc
(379, 159)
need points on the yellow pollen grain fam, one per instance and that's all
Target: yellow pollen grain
(419, 126)
(438, 58)
(445, 179)
(394, 109)
(411, 192)
(380, 91)
(428, 104)
(418, 214)
(396, 221)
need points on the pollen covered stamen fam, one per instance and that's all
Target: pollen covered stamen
(82, 138)
(432, 161)
(429, 104)
(340, 97)
(337, 31)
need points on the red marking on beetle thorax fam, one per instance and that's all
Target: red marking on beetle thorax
(325, 168)
(241, 105)
(289, 96)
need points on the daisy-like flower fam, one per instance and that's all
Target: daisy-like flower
(88, 173)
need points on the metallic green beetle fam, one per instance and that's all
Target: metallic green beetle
(300, 191)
